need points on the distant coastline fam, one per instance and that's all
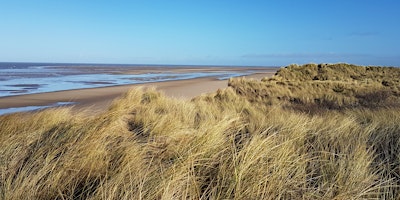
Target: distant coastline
(27, 64)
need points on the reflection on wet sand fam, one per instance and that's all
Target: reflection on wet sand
(33, 108)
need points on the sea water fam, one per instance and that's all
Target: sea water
(30, 78)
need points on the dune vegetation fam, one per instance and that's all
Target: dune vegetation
(327, 131)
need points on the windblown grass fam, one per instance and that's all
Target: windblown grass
(242, 142)
(314, 88)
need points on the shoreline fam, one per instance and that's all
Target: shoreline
(36, 79)
(99, 99)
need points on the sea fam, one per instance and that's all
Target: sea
(18, 78)
(30, 78)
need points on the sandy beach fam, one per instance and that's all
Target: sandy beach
(98, 99)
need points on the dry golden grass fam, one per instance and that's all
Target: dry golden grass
(314, 88)
(238, 143)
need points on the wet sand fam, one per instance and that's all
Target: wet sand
(98, 99)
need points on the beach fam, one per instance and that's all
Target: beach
(98, 99)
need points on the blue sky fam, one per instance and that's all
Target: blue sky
(207, 32)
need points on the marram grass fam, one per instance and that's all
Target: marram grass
(242, 142)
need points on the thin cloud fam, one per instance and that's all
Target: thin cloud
(355, 58)
(305, 55)
(364, 34)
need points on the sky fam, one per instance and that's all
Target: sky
(206, 32)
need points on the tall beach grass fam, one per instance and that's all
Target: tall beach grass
(292, 136)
